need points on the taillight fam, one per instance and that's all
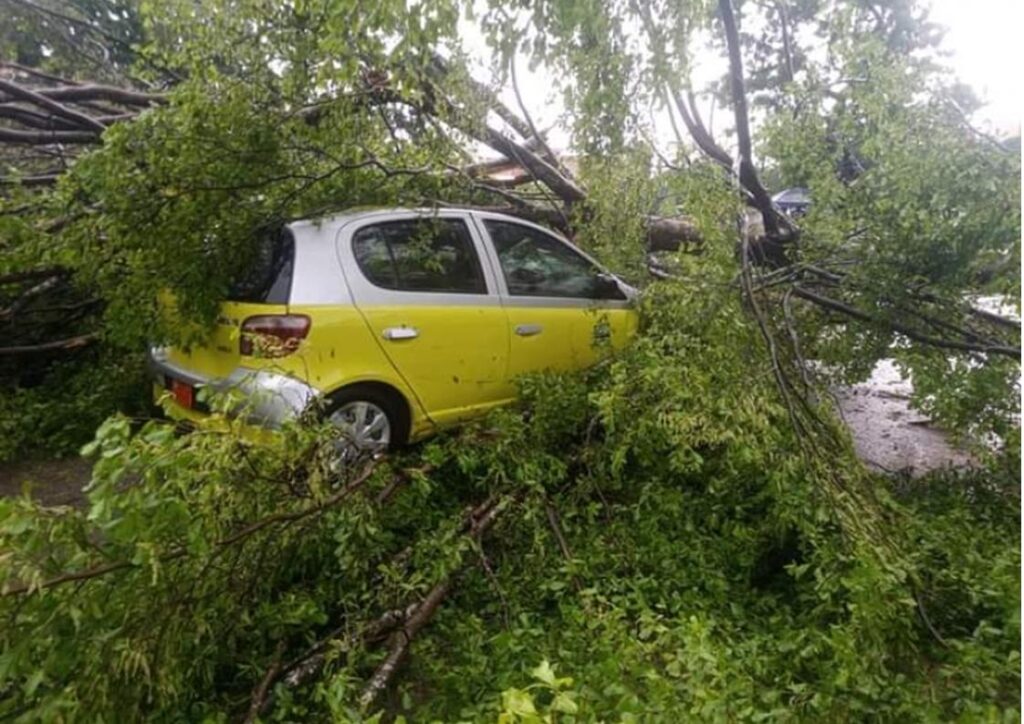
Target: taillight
(273, 335)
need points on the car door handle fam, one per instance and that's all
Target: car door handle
(398, 333)
(528, 330)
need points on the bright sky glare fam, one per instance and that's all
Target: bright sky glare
(984, 38)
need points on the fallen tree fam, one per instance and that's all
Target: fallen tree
(684, 529)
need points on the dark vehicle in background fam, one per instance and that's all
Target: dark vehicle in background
(793, 202)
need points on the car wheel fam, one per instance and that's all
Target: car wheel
(368, 424)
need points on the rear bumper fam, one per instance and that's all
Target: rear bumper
(265, 398)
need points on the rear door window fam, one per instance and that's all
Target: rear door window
(267, 277)
(420, 255)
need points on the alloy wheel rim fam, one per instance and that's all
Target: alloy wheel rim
(364, 427)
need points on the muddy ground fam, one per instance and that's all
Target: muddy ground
(888, 435)
(53, 482)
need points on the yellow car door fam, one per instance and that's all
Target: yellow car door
(564, 311)
(430, 299)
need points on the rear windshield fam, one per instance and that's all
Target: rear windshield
(267, 279)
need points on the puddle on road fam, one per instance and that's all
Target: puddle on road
(890, 436)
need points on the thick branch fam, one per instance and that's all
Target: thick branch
(748, 173)
(44, 138)
(441, 70)
(93, 92)
(34, 120)
(424, 612)
(60, 345)
(16, 91)
(259, 695)
(665, 234)
(46, 179)
(27, 70)
(26, 297)
(787, 45)
(27, 276)
(564, 188)
(1006, 322)
(701, 136)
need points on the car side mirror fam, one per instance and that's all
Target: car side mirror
(607, 286)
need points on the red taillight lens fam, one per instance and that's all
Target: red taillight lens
(273, 335)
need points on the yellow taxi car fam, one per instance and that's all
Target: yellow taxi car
(395, 323)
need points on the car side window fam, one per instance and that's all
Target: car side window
(537, 265)
(420, 255)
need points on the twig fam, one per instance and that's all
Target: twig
(556, 528)
(293, 516)
(563, 544)
(493, 579)
(259, 695)
(787, 310)
(925, 619)
(69, 577)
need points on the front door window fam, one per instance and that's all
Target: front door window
(535, 264)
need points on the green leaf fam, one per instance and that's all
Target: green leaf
(543, 672)
(565, 702)
(518, 702)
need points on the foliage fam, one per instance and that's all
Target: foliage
(519, 705)
(188, 612)
(64, 37)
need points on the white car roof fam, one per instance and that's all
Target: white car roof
(343, 217)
